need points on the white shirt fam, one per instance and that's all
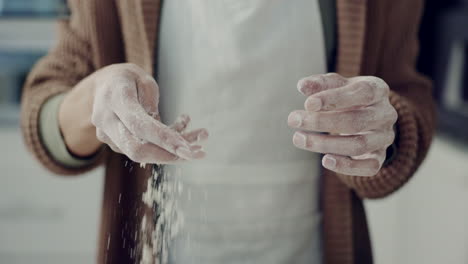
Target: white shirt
(233, 65)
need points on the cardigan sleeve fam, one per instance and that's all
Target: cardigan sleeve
(59, 71)
(410, 95)
(52, 138)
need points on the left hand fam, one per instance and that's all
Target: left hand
(356, 114)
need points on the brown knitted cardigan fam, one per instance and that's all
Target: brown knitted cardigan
(374, 38)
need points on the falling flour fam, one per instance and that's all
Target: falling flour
(169, 219)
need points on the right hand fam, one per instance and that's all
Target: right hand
(125, 114)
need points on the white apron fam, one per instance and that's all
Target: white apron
(233, 65)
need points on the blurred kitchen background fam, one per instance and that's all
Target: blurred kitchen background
(44, 219)
(49, 219)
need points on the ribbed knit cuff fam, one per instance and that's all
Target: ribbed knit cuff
(52, 137)
(31, 106)
(398, 170)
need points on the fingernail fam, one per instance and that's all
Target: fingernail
(294, 120)
(329, 162)
(184, 153)
(300, 140)
(202, 136)
(302, 88)
(313, 104)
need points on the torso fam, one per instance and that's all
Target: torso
(233, 67)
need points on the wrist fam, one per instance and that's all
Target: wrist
(78, 132)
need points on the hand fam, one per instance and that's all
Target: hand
(124, 113)
(356, 114)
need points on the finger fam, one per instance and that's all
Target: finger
(136, 149)
(369, 166)
(101, 136)
(378, 155)
(143, 126)
(196, 148)
(140, 150)
(352, 145)
(181, 123)
(198, 135)
(320, 82)
(349, 122)
(361, 91)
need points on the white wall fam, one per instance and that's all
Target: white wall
(45, 219)
(427, 221)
